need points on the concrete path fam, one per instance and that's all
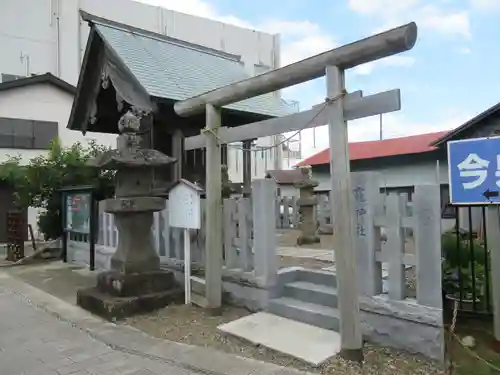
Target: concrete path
(43, 335)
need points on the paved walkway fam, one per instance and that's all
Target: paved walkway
(42, 335)
(32, 342)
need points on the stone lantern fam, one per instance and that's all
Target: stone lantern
(307, 203)
(135, 283)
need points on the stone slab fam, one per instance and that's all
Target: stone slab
(310, 344)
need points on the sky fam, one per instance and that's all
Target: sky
(447, 78)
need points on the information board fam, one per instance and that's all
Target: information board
(184, 206)
(78, 210)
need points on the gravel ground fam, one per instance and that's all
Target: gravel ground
(190, 325)
(288, 237)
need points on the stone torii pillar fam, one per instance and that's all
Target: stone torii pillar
(333, 63)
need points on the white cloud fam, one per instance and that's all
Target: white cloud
(307, 46)
(381, 6)
(431, 17)
(485, 5)
(396, 60)
(465, 50)
(454, 23)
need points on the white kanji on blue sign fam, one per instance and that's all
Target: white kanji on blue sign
(474, 171)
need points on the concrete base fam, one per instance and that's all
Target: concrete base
(326, 229)
(119, 295)
(116, 308)
(310, 344)
(135, 284)
(307, 240)
(403, 325)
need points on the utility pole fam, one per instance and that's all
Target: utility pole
(380, 125)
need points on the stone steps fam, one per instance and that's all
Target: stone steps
(310, 298)
(312, 293)
(305, 312)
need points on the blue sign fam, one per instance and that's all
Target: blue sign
(474, 171)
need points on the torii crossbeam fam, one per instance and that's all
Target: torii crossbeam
(333, 64)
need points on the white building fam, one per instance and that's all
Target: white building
(33, 112)
(49, 36)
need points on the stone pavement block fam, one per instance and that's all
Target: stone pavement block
(41, 371)
(18, 365)
(59, 338)
(82, 365)
(126, 370)
(55, 363)
(161, 368)
(114, 356)
(143, 372)
(82, 372)
(218, 363)
(104, 367)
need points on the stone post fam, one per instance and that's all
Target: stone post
(264, 202)
(307, 205)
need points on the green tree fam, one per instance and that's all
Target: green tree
(37, 183)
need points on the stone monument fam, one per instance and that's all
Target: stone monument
(307, 205)
(135, 283)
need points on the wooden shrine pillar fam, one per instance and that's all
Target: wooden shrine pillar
(178, 153)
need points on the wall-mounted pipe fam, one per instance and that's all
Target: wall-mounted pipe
(58, 40)
(25, 59)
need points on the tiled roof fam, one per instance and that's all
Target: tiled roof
(287, 177)
(178, 70)
(37, 79)
(414, 144)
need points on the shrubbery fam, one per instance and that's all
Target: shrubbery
(37, 183)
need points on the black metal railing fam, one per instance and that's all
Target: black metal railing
(466, 265)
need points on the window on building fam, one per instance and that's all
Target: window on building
(10, 77)
(27, 134)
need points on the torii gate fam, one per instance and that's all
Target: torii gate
(339, 109)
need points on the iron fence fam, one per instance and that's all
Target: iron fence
(466, 263)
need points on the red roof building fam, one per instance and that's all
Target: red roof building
(415, 144)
